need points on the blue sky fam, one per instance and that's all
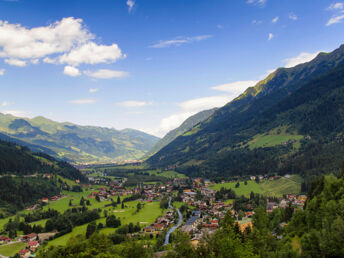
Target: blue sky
(149, 64)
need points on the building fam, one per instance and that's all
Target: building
(33, 245)
(30, 237)
(24, 253)
(4, 239)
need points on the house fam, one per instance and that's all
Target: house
(4, 239)
(33, 245)
(30, 237)
(148, 229)
(45, 200)
(157, 226)
(24, 253)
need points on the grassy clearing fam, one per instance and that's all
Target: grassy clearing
(145, 216)
(168, 174)
(12, 249)
(271, 188)
(271, 140)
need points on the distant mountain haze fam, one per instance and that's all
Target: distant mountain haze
(75, 143)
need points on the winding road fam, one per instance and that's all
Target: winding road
(180, 221)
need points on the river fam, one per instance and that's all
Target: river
(180, 221)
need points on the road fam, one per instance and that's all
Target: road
(180, 221)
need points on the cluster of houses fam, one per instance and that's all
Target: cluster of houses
(161, 223)
(30, 240)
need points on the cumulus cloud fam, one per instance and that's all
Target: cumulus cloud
(91, 53)
(2, 72)
(256, 22)
(292, 16)
(17, 41)
(178, 41)
(301, 58)
(15, 62)
(67, 41)
(274, 20)
(134, 103)
(106, 74)
(219, 26)
(83, 101)
(71, 71)
(130, 4)
(93, 90)
(271, 36)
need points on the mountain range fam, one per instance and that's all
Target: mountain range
(75, 143)
(292, 121)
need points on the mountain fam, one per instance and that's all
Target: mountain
(184, 127)
(21, 176)
(75, 143)
(287, 123)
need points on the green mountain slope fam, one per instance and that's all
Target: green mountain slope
(21, 181)
(267, 127)
(184, 127)
(79, 144)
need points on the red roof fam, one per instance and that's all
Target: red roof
(23, 251)
(5, 238)
(33, 243)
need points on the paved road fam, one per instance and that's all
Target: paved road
(180, 221)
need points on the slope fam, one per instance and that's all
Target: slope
(184, 127)
(220, 145)
(79, 144)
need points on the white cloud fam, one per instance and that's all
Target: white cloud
(271, 36)
(292, 16)
(15, 62)
(134, 103)
(106, 74)
(301, 58)
(274, 20)
(235, 88)
(67, 41)
(336, 6)
(17, 41)
(71, 71)
(83, 101)
(335, 19)
(5, 104)
(130, 4)
(91, 53)
(18, 113)
(199, 104)
(93, 90)
(180, 41)
(2, 72)
(257, 2)
(219, 26)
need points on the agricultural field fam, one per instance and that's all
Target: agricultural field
(145, 216)
(272, 140)
(11, 249)
(276, 188)
(168, 174)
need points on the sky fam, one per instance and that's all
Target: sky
(150, 64)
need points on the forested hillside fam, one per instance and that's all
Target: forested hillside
(291, 122)
(184, 127)
(76, 143)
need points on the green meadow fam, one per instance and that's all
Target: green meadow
(12, 249)
(272, 140)
(266, 187)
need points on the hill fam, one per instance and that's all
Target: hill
(184, 127)
(21, 176)
(74, 143)
(291, 122)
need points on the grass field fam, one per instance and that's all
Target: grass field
(145, 216)
(168, 174)
(12, 249)
(271, 188)
(271, 140)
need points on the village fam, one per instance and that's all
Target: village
(201, 206)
